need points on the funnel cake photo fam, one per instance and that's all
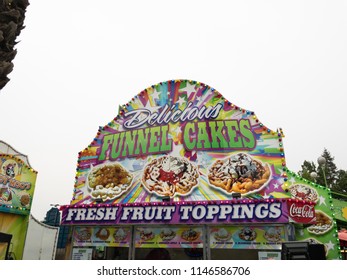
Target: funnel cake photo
(323, 224)
(108, 181)
(119, 235)
(167, 234)
(239, 173)
(190, 235)
(273, 234)
(247, 234)
(146, 234)
(83, 234)
(303, 192)
(169, 175)
(103, 234)
(222, 235)
(24, 198)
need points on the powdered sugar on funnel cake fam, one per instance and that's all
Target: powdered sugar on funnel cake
(170, 176)
(239, 173)
(303, 192)
(222, 234)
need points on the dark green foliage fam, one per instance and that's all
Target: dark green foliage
(306, 169)
(335, 179)
(341, 184)
(12, 14)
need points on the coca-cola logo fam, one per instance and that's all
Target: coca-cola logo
(303, 211)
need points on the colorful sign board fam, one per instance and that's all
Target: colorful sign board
(102, 236)
(169, 237)
(247, 237)
(324, 230)
(17, 185)
(234, 211)
(182, 140)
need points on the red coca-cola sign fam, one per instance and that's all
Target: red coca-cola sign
(301, 212)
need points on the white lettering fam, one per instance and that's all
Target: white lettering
(90, 214)
(247, 211)
(224, 211)
(159, 215)
(199, 212)
(137, 214)
(275, 210)
(126, 213)
(80, 214)
(71, 213)
(305, 211)
(236, 211)
(150, 213)
(186, 210)
(111, 213)
(100, 214)
(211, 211)
(169, 210)
(139, 117)
(261, 210)
(135, 121)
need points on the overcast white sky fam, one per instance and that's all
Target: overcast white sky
(79, 60)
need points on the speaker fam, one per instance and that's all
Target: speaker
(294, 251)
(316, 252)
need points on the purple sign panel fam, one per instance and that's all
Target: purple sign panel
(231, 211)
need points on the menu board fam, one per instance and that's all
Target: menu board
(169, 237)
(269, 255)
(250, 237)
(82, 253)
(102, 236)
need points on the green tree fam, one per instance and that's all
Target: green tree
(329, 170)
(341, 184)
(306, 170)
(334, 178)
(12, 15)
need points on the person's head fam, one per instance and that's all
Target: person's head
(158, 254)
